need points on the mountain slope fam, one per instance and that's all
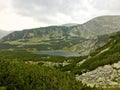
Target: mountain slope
(108, 54)
(103, 65)
(79, 38)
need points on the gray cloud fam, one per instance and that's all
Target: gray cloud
(48, 6)
(48, 10)
(2, 5)
(59, 11)
(110, 5)
(1, 8)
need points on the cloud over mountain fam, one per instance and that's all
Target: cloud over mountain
(49, 12)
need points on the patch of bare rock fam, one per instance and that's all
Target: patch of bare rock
(106, 76)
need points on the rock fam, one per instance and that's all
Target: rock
(116, 65)
(106, 76)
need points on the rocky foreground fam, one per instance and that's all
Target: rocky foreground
(106, 76)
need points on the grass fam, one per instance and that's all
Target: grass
(111, 89)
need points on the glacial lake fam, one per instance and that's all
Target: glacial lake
(58, 53)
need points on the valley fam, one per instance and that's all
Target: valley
(66, 57)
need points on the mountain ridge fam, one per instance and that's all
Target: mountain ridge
(81, 38)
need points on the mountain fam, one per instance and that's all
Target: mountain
(3, 33)
(82, 38)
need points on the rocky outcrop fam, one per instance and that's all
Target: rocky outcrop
(106, 76)
(48, 63)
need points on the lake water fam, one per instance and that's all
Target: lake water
(58, 53)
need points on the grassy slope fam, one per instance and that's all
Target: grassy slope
(108, 54)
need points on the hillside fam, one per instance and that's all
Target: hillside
(17, 75)
(82, 38)
(107, 54)
(102, 67)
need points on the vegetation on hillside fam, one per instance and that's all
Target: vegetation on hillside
(28, 56)
(18, 75)
(108, 54)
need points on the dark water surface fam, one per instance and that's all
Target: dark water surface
(58, 53)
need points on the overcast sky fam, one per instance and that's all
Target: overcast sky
(23, 14)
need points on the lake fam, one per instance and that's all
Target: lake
(58, 53)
